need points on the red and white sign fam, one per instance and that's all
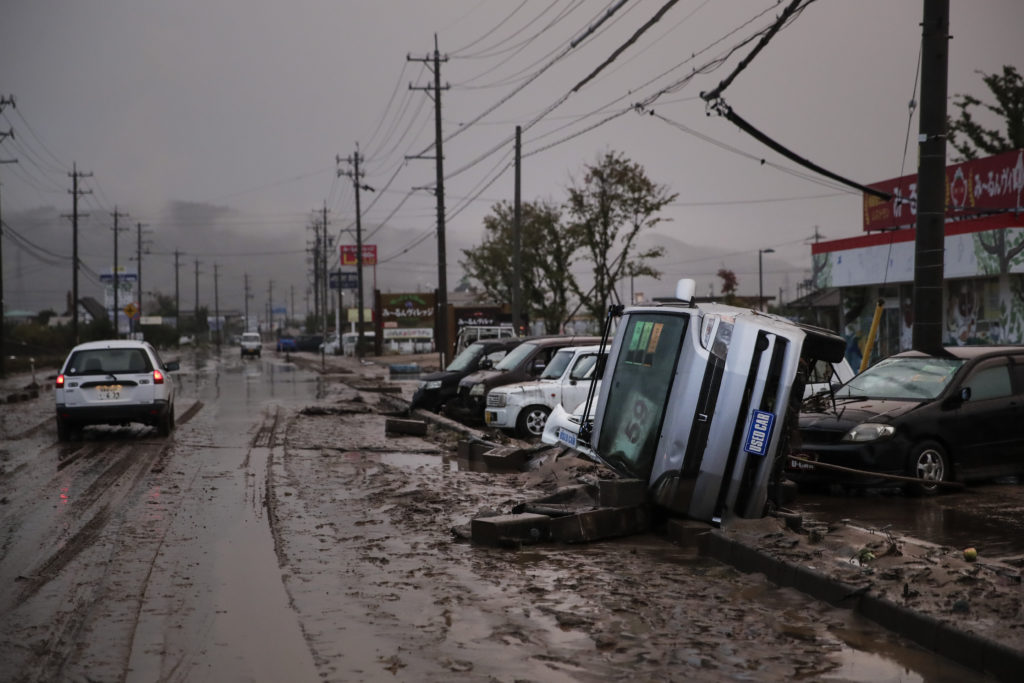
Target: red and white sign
(990, 185)
(349, 258)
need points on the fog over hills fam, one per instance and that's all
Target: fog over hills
(38, 244)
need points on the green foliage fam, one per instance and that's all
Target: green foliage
(729, 283)
(969, 137)
(614, 202)
(546, 260)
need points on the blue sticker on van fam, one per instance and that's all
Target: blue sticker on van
(760, 433)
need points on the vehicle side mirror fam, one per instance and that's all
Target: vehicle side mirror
(486, 363)
(965, 394)
(172, 366)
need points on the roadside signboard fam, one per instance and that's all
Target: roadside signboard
(344, 279)
(348, 255)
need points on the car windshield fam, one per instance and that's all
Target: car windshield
(250, 337)
(516, 356)
(108, 361)
(465, 360)
(558, 364)
(912, 379)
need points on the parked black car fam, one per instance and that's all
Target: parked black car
(437, 388)
(526, 362)
(309, 342)
(953, 415)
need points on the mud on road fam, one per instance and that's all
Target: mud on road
(284, 535)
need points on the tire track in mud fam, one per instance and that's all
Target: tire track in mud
(127, 469)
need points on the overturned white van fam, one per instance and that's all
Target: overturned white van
(700, 402)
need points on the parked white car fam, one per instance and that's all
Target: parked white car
(114, 382)
(524, 407)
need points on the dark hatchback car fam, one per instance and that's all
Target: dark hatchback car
(526, 362)
(437, 388)
(952, 416)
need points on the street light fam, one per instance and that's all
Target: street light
(760, 276)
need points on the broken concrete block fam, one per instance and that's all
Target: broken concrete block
(501, 530)
(621, 493)
(395, 425)
(686, 532)
(506, 458)
(601, 523)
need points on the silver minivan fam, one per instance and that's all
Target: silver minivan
(700, 402)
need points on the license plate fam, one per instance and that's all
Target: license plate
(108, 392)
(566, 437)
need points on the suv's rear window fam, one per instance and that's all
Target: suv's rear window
(108, 361)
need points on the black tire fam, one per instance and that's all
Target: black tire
(928, 462)
(63, 430)
(165, 423)
(530, 422)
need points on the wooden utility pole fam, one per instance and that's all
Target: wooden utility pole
(517, 238)
(177, 294)
(117, 284)
(356, 174)
(216, 303)
(76, 175)
(3, 308)
(442, 265)
(929, 243)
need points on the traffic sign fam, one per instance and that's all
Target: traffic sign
(131, 310)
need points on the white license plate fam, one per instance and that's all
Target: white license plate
(108, 392)
(566, 437)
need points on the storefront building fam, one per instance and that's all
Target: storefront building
(983, 292)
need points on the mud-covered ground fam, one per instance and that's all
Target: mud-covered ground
(284, 535)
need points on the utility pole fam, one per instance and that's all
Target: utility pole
(195, 310)
(177, 294)
(355, 174)
(138, 258)
(245, 326)
(442, 266)
(270, 304)
(316, 270)
(929, 242)
(3, 308)
(324, 278)
(117, 284)
(75, 194)
(517, 240)
(216, 303)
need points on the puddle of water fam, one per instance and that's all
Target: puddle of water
(988, 517)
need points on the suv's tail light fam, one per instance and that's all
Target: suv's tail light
(60, 382)
(158, 377)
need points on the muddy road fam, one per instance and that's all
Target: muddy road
(280, 535)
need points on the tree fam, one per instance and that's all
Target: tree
(547, 257)
(969, 138)
(615, 201)
(729, 284)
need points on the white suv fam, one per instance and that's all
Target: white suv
(524, 407)
(114, 382)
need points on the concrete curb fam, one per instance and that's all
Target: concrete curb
(969, 649)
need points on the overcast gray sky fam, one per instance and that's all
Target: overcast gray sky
(217, 122)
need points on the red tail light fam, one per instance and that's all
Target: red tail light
(158, 377)
(60, 382)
